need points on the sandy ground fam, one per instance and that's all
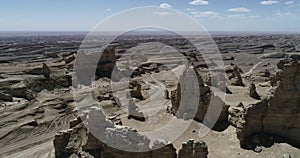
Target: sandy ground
(44, 150)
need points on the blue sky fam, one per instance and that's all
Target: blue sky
(214, 15)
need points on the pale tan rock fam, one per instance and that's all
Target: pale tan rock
(277, 115)
(80, 142)
(78, 139)
(134, 111)
(186, 104)
(235, 78)
(37, 84)
(136, 90)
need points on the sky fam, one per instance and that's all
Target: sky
(214, 15)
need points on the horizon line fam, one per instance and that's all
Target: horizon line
(209, 31)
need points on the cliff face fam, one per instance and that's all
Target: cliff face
(80, 142)
(275, 118)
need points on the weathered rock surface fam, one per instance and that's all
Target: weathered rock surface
(235, 78)
(219, 82)
(30, 86)
(18, 90)
(107, 62)
(231, 68)
(80, 142)
(193, 149)
(252, 91)
(45, 114)
(134, 111)
(78, 139)
(46, 71)
(43, 70)
(37, 84)
(274, 55)
(51, 55)
(184, 102)
(228, 58)
(275, 118)
(264, 73)
(6, 97)
(34, 71)
(148, 68)
(87, 63)
(136, 90)
(161, 148)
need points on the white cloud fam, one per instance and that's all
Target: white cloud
(199, 2)
(289, 2)
(190, 9)
(279, 13)
(194, 13)
(242, 16)
(165, 5)
(108, 9)
(254, 16)
(268, 2)
(207, 14)
(239, 10)
(236, 16)
(162, 13)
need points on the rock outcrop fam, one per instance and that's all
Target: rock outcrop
(275, 118)
(134, 111)
(264, 73)
(70, 58)
(193, 149)
(161, 148)
(89, 67)
(148, 67)
(80, 142)
(37, 84)
(231, 68)
(18, 90)
(252, 91)
(235, 78)
(192, 98)
(5, 97)
(46, 71)
(51, 55)
(33, 85)
(219, 82)
(107, 62)
(136, 90)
